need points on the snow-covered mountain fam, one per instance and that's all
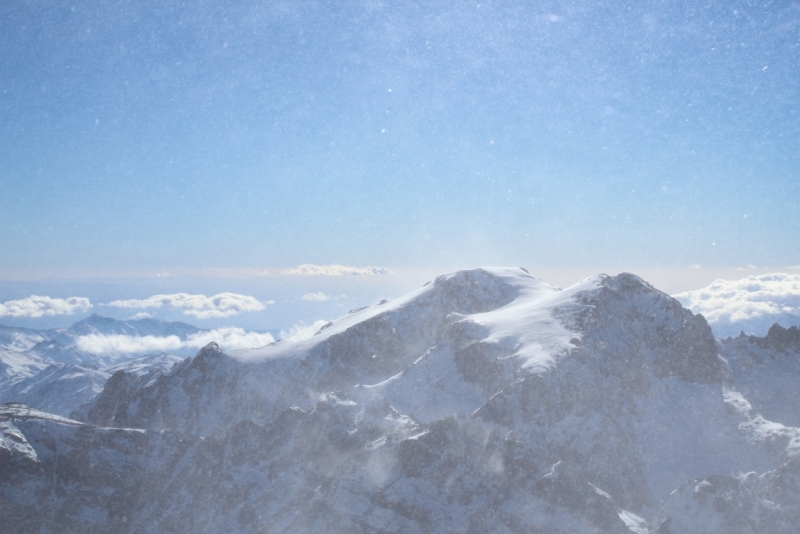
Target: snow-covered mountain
(488, 400)
(16, 359)
(46, 368)
(60, 388)
(61, 345)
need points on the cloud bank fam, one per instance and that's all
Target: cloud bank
(308, 269)
(751, 304)
(230, 338)
(36, 306)
(200, 306)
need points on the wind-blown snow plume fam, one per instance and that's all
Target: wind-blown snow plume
(200, 306)
(230, 338)
(302, 331)
(730, 304)
(37, 306)
(334, 270)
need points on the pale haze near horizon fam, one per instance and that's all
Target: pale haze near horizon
(572, 139)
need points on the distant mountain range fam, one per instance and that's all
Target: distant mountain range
(46, 369)
(486, 401)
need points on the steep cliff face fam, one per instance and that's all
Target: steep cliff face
(59, 475)
(486, 401)
(766, 371)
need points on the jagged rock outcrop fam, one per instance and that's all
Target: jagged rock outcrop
(779, 338)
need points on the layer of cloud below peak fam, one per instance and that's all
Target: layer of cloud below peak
(321, 297)
(37, 306)
(308, 269)
(750, 304)
(199, 306)
(317, 297)
(229, 338)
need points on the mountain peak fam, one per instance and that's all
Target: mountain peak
(212, 349)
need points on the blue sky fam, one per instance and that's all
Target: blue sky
(568, 137)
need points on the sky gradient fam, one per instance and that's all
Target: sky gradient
(569, 137)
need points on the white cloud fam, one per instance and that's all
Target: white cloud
(318, 297)
(747, 299)
(230, 338)
(302, 331)
(200, 306)
(36, 306)
(334, 270)
(209, 314)
(103, 344)
(142, 315)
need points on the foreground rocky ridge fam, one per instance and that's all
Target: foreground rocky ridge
(486, 401)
